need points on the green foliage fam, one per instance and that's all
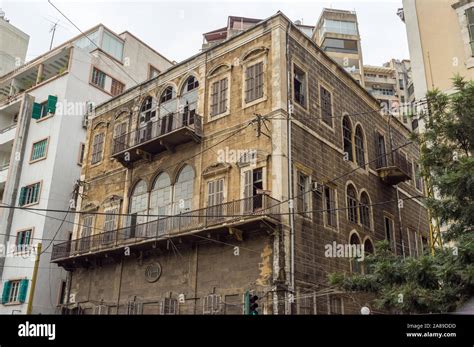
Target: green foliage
(442, 281)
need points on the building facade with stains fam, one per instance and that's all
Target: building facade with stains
(235, 171)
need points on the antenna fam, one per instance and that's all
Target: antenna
(53, 30)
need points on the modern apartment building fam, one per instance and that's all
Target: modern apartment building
(44, 106)
(337, 33)
(438, 52)
(233, 172)
(13, 45)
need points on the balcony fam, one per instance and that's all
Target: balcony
(157, 136)
(3, 172)
(7, 134)
(232, 216)
(393, 168)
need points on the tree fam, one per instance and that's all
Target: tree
(442, 281)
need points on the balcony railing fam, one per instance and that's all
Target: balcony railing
(156, 136)
(237, 211)
(393, 168)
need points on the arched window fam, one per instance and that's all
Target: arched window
(351, 203)
(168, 102)
(347, 137)
(368, 250)
(148, 110)
(364, 210)
(168, 108)
(188, 100)
(138, 207)
(160, 196)
(183, 190)
(355, 249)
(359, 145)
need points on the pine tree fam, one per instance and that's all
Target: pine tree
(442, 281)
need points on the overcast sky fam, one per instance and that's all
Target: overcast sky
(174, 28)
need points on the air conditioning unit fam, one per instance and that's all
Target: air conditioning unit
(85, 121)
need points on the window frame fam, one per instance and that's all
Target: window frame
(31, 161)
(98, 153)
(362, 148)
(245, 66)
(326, 213)
(392, 241)
(323, 85)
(40, 183)
(30, 240)
(303, 197)
(368, 208)
(355, 206)
(298, 66)
(219, 113)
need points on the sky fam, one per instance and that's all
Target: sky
(175, 28)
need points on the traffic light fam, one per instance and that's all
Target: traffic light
(251, 304)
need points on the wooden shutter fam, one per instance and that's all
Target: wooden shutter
(249, 83)
(36, 111)
(52, 101)
(23, 290)
(6, 291)
(223, 95)
(214, 98)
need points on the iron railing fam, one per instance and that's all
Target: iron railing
(163, 227)
(188, 119)
(394, 159)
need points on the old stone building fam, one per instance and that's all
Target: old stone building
(185, 202)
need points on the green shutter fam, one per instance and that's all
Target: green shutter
(23, 290)
(6, 291)
(52, 100)
(36, 111)
(22, 199)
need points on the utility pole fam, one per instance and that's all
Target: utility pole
(33, 280)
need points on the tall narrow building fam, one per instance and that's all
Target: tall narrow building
(337, 33)
(44, 109)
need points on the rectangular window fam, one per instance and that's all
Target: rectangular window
(23, 239)
(30, 194)
(135, 307)
(254, 82)
(14, 291)
(330, 206)
(219, 97)
(253, 182)
(401, 84)
(87, 222)
(169, 306)
(112, 45)
(97, 147)
(117, 87)
(340, 45)
(98, 78)
(299, 86)
(39, 150)
(381, 155)
(215, 197)
(62, 293)
(326, 105)
(470, 26)
(82, 148)
(418, 179)
(336, 305)
(303, 194)
(212, 304)
(388, 224)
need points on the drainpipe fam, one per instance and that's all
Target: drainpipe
(290, 173)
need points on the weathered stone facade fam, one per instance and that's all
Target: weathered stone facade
(207, 257)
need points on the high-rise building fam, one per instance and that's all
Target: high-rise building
(13, 45)
(44, 109)
(337, 33)
(438, 52)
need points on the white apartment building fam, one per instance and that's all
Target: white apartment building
(13, 45)
(43, 110)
